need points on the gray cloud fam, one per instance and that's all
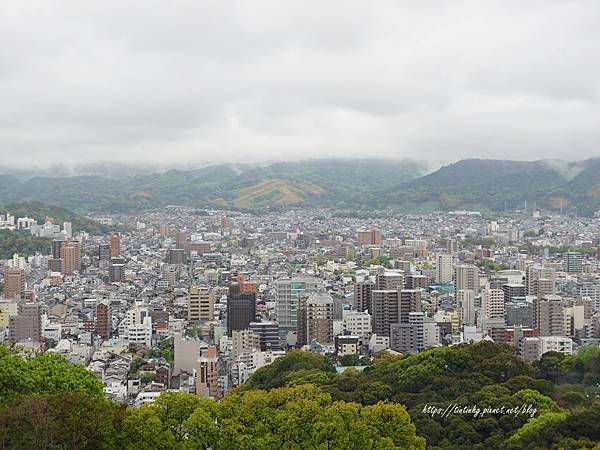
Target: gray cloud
(204, 82)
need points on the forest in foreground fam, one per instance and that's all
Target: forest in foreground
(300, 401)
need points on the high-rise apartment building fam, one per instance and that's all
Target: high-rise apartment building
(56, 245)
(207, 374)
(548, 315)
(393, 306)
(369, 237)
(315, 319)
(492, 303)
(408, 337)
(288, 290)
(201, 303)
(14, 283)
(103, 253)
(465, 299)
(70, 253)
(540, 281)
(385, 310)
(444, 270)
(389, 279)
(26, 325)
(116, 271)
(244, 341)
(362, 295)
(452, 246)
(115, 245)
(466, 277)
(180, 240)
(103, 326)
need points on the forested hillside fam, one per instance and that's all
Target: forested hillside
(300, 401)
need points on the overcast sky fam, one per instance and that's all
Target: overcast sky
(210, 81)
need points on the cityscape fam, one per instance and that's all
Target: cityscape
(201, 301)
(268, 225)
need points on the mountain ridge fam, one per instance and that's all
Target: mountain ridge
(405, 185)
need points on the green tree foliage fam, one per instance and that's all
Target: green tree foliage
(164, 349)
(379, 261)
(283, 369)
(23, 243)
(23, 374)
(294, 418)
(485, 374)
(66, 420)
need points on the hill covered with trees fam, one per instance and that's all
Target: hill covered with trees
(362, 184)
(300, 401)
(563, 390)
(47, 403)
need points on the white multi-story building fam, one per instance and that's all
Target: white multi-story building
(140, 333)
(444, 268)
(357, 323)
(492, 303)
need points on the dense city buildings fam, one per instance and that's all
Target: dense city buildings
(197, 301)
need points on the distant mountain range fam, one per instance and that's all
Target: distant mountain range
(344, 184)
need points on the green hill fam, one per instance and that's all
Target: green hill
(344, 183)
(363, 185)
(496, 185)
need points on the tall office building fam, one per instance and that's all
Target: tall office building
(26, 325)
(268, 333)
(163, 230)
(115, 245)
(444, 270)
(466, 276)
(315, 319)
(201, 303)
(519, 313)
(241, 309)
(362, 295)
(548, 315)
(116, 271)
(287, 292)
(14, 283)
(513, 291)
(56, 245)
(572, 262)
(465, 299)
(70, 253)
(540, 280)
(492, 303)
